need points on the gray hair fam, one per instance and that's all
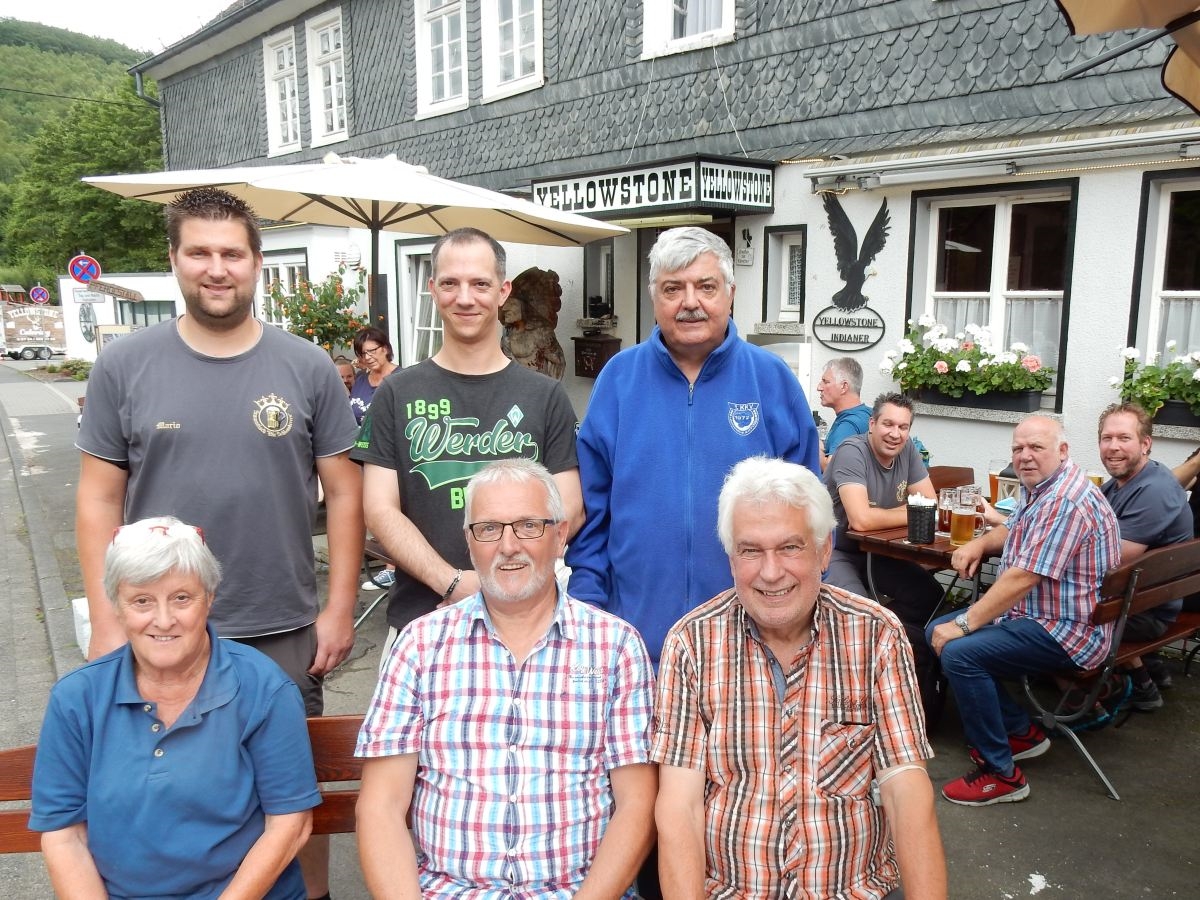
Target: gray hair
(468, 236)
(848, 370)
(145, 551)
(761, 480)
(678, 248)
(516, 471)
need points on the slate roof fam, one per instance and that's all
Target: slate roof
(802, 79)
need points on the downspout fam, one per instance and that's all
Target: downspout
(140, 89)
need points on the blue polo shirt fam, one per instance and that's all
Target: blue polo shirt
(847, 423)
(172, 813)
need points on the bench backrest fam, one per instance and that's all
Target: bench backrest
(333, 739)
(1157, 576)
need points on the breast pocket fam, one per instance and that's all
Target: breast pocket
(844, 765)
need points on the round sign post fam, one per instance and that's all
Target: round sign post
(83, 269)
(39, 294)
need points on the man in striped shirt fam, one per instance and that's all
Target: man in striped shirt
(788, 726)
(516, 722)
(1054, 550)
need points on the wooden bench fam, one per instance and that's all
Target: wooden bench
(1154, 578)
(333, 739)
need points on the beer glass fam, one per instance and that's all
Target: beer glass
(966, 522)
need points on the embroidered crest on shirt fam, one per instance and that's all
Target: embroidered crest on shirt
(515, 415)
(271, 415)
(743, 417)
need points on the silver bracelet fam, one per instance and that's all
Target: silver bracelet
(453, 584)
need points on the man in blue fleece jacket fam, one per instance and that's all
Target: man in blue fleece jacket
(666, 422)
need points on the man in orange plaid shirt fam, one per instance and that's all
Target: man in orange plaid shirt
(788, 726)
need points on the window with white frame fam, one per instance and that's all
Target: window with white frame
(1174, 267)
(284, 271)
(512, 47)
(326, 78)
(421, 326)
(673, 26)
(283, 101)
(1000, 262)
(441, 57)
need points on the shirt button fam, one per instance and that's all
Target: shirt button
(516, 701)
(155, 727)
(148, 707)
(512, 748)
(158, 751)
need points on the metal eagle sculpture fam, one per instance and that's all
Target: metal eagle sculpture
(851, 261)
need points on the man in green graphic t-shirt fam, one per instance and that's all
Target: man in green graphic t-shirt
(433, 425)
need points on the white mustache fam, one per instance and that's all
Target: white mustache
(691, 315)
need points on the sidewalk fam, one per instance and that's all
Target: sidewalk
(1068, 840)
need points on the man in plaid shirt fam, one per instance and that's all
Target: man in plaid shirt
(788, 725)
(516, 721)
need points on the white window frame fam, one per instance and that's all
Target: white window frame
(420, 327)
(276, 143)
(317, 62)
(658, 17)
(493, 87)
(427, 106)
(1152, 338)
(998, 295)
(287, 268)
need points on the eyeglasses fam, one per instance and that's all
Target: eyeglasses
(525, 529)
(372, 352)
(142, 530)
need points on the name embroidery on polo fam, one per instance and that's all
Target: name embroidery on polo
(272, 416)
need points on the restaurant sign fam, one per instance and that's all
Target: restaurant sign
(848, 331)
(696, 183)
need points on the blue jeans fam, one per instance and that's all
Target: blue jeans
(974, 664)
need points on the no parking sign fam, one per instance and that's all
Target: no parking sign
(39, 294)
(83, 269)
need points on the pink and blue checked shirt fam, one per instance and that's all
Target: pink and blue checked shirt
(1065, 531)
(512, 794)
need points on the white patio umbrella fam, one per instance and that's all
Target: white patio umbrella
(376, 194)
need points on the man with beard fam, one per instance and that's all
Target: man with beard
(1152, 511)
(226, 423)
(515, 723)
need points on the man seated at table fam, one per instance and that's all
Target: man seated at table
(781, 704)
(516, 722)
(1054, 550)
(1152, 511)
(869, 479)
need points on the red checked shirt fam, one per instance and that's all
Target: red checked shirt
(789, 752)
(1065, 531)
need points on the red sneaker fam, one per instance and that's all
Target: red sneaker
(1025, 745)
(980, 788)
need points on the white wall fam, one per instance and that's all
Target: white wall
(160, 287)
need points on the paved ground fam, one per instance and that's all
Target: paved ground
(1068, 840)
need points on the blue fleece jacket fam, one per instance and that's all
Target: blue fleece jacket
(653, 454)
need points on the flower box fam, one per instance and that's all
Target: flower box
(1011, 401)
(1176, 412)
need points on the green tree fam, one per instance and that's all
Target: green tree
(54, 215)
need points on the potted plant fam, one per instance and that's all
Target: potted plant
(966, 369)
(324, 312)
(1169, 392)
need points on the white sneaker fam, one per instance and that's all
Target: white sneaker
(383, 580)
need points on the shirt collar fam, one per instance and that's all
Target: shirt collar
(1054, 478)
(219, 686)
(475, 610)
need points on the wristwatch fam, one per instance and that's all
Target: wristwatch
(961, 621)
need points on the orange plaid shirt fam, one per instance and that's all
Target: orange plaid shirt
(788, 808)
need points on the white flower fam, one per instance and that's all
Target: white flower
(986, 361)
(1195, 356)
(906, 347)
(1171, 345)
(886, 367)
(959, 336)
(1152, 359)
(901, 366)
(946, 345)
(927, 321)
(963, 366)
(972, 329)
(1018, 347)
(1182, 360)
(1114, 381)
(1196, 375)
(1130, 353)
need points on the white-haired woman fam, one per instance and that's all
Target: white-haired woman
(179, 764)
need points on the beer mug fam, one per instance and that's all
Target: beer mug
(966, 522)
(947, 500)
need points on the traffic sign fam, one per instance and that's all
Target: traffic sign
(83, 269)
(39, 294)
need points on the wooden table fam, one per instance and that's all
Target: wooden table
(893, 542)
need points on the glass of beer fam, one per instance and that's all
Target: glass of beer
(995, 467)
(1096, 477)
(966, 522)
(947, 499)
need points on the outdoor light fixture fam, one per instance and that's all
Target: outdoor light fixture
(663, 221)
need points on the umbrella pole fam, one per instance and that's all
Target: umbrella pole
(377, 297)
(1120, 50)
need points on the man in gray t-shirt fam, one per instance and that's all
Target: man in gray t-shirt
(869, 478)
